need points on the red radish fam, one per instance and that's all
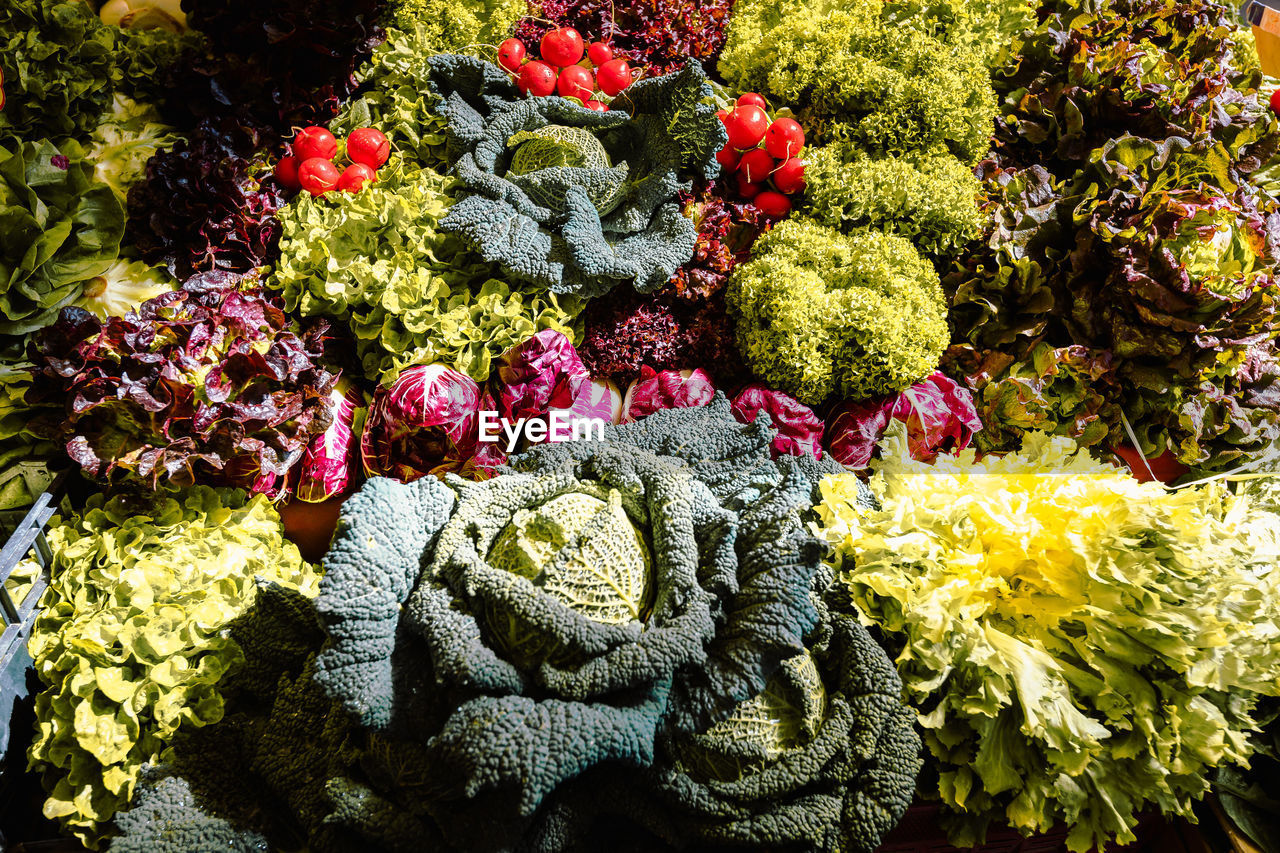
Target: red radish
(318, 175)
(751, 99)
(784, 139)
(1275, 101)
(728, 158)
(576, 82)
(756, 165)
(562, 47)
(287, 173)
(537, 78)
(511, 53)
(613, 76)
(369, 146)
(789, 177)
(314, 142)
(599, 53)
(746, 189)
(746, 126)
(355, 176)
(597, 106)
(723, 115)
(773, 205)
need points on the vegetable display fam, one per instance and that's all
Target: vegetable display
(1059, 621)
(593, 619)
(716, 425)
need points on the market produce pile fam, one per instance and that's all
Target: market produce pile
(643, 425)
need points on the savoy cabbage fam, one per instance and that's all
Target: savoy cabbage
(572, 199)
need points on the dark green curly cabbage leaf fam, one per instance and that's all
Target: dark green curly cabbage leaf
(575, 200)
(570, 612)
(823, 759)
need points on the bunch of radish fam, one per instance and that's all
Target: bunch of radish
(309, 165)
(562, 69)
(763, 152)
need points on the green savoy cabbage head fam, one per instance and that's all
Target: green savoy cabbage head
(572, 199)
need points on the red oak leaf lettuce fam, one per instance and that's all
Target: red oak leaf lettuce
(207, 386)
(659, 35)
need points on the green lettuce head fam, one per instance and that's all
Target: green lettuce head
(412, 293)
(821, 313)
(134, 650)
(59, 228)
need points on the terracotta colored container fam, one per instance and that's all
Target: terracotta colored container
(1165, 467)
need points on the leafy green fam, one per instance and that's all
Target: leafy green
(58, 64)
(60, 228)
(1080, 646)
(126, 137)
(1152, 272)
(928, 198)
(61, 65)
(578, 229)
(123, 288)
(412, 293)
(516, 633)
(820, 313)
(21, 448)
(130, 641)
(396, 99)
(458, 26)
(852, 71)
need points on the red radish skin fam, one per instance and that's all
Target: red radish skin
(784, 138)
(355, 176)
(1275, 101)
(597, 106)
(562, 47)
(613, 76)
(314, 142)
(746, 189)
(728, 158)
(511, 53)
(537, 78)
(286, 173)
(751, 99)
(369, 146)
(789, 177)
(318, 175)
(746, 126)
(756, 166)
(599, 53)
(773, 205)
(576, 82)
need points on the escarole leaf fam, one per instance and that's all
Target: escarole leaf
(1058, 619)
